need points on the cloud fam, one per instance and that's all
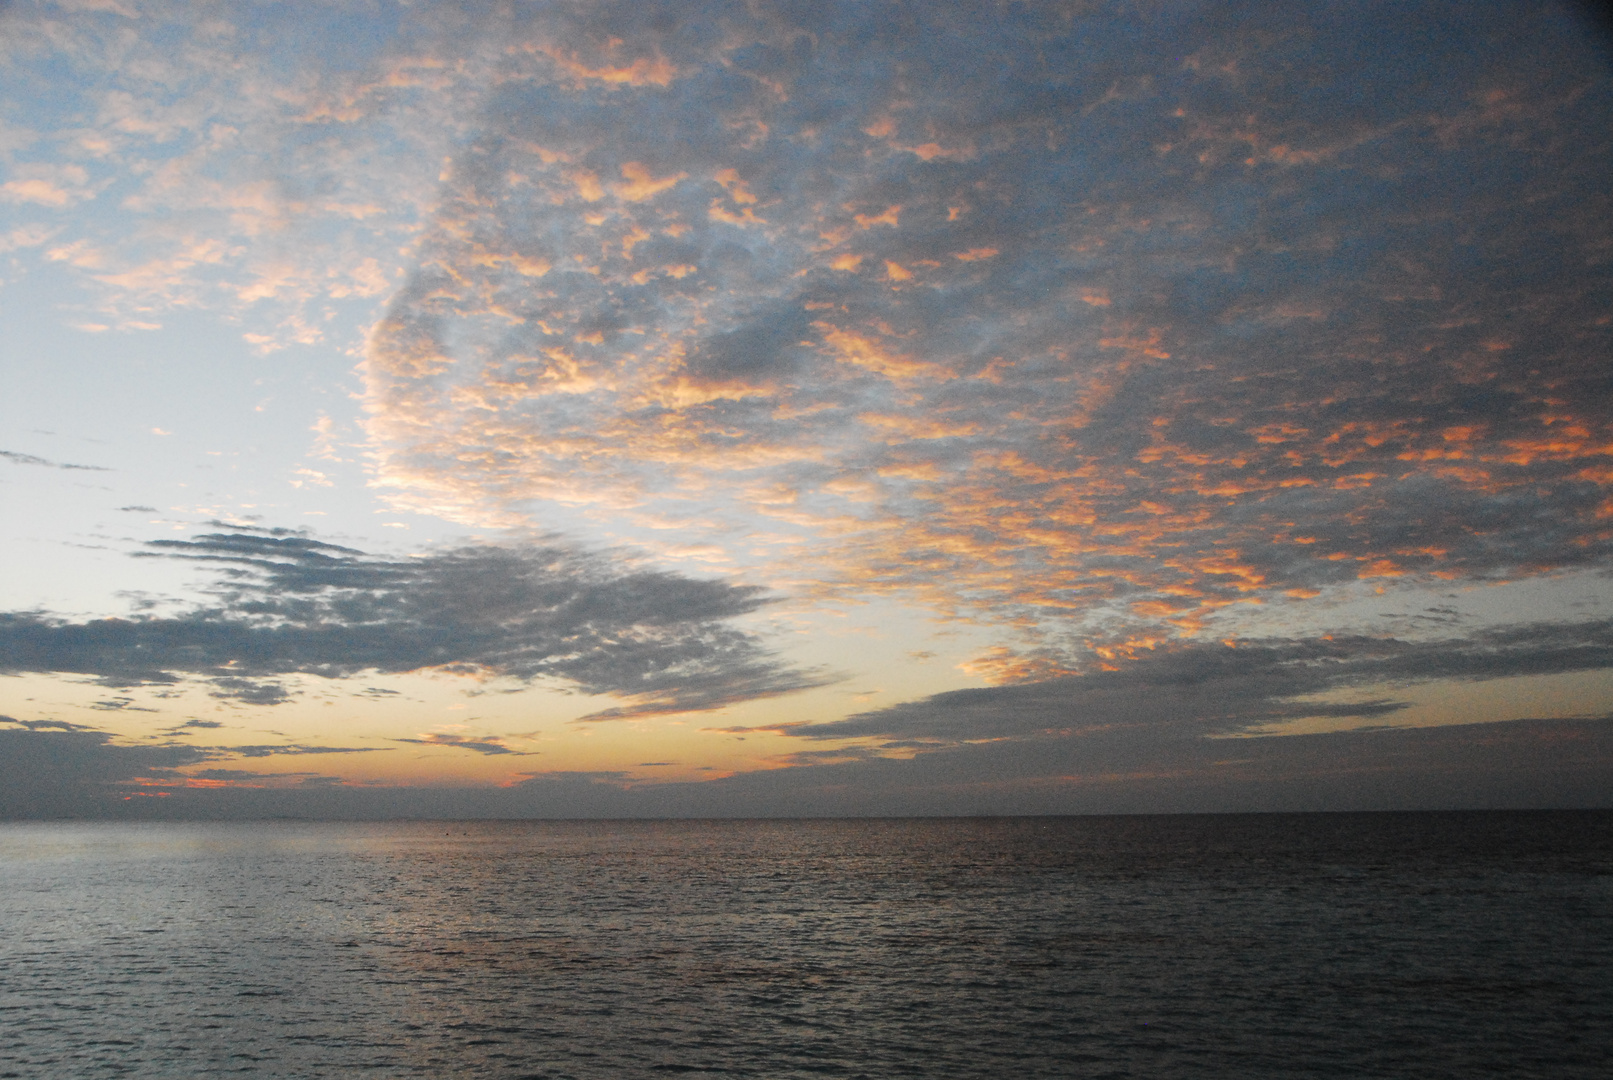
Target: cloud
(1190, 691)
(484, 744)
(56, 769)
(50, 768)
(270, 180)
(46, 725)
(1097, 326)
(1521, 763)
(247, 777)
(51, 185)
(119, 704)
(289, 605)
(293, 749)
(29, 459)
(249, 691)
(1093, 327)
(1243, 333)
(1515, 763)
(192, 724)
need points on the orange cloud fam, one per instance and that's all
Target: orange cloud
(640, 184)
(643, 71)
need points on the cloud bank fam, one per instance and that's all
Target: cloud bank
(1177, 730)
(1523, 763)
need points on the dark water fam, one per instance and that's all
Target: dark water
(1403, 945)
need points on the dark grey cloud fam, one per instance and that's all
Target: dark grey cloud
(1517, 763)
(239, 775)
(249, 691)
(50, 768)
(119, 704)
(291, 749)
(483, 744)
(1191, 691)
(286, 605)
(46, 725)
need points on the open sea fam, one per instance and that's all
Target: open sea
(1325, 945)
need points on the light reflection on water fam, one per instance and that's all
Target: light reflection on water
(1276, 945)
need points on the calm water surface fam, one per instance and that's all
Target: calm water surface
(1393, 945)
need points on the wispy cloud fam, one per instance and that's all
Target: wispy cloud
(29, 459)
(283, 749)
(484, 744)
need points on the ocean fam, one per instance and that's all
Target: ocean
(1325, 945)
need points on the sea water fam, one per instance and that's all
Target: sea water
(1327, 945)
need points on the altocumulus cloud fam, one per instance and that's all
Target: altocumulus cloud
(289, 605)
(1090, 319)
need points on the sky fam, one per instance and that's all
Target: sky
(635, 408)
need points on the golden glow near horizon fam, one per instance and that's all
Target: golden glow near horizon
(664, 393)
